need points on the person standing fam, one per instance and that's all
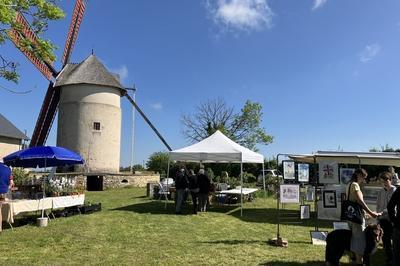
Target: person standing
(204, 189)
(181, 185)
(6, 180)
(393, 209)
(384, 196)
(354, 194)
(395, 177)
(194, 189)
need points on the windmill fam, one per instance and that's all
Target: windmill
(70, 83)
(51, 100)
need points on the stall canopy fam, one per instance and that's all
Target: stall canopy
(217, 148)
(361, 158)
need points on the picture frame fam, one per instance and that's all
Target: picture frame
(289, 170)
(345, 175)
(328, 172)
(318, 237)
(310, 193)
(329, 199)
(341, 226)
(303, 172)
(289, 193)
(304, 212)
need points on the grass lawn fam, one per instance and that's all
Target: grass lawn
(133, 230)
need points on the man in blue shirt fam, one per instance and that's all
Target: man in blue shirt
(6, 179)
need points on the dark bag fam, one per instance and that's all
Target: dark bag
(351, 211)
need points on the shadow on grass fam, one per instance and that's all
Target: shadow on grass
(288, 263)
(153, 207)
(256, 215)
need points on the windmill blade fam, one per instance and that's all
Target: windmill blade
(17, 36)
(77, 16)
(46, 116)
(147, 121)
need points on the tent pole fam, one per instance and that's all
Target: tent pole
(263, 175)
(44, 181)
(241, 189)
(166, 193)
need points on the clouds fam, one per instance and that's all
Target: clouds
(240, 15)
(122, 71)
(318, 4)
(369, 52)
(156, 106)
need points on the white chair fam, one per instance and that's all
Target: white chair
(163, 191)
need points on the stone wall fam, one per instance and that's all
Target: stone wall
(116, 181)
(8, 145)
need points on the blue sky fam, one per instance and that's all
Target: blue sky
(326, 72)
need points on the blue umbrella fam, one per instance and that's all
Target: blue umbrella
(43, 156)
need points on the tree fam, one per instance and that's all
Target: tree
(243, 127)
(39, 12)
(158, 162)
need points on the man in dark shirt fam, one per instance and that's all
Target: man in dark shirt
(393, 208)
(181, 185)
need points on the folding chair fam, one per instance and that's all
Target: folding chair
(163, 191)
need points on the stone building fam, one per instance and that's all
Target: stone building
(89, 116)
(11, 138)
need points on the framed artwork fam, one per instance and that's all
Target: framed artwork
(345, 175)
(328, 173)
(310, 193)
(304, 212)
(303, 171)
(318, 237)
(329, 199)
(289, 193)
(340, 225)
(288, 170)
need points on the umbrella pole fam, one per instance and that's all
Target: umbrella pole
(44, 181)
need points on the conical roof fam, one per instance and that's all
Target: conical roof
(90, 71)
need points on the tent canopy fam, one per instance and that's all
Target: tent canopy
(363, 158)
(217, 148)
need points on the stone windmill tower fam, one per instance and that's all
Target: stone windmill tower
(89, 114)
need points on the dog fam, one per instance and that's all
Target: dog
(338, 241)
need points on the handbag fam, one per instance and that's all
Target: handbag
(351, 211)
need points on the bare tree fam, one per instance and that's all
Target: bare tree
(213, 115)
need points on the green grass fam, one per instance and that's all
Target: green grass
(133, 230)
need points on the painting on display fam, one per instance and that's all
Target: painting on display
(329, 199)
(328, 173)
(304, 212)
(346, 174)
(303, 172)
(309, 193)
(288, 170)
(290, 193)
(318, 237)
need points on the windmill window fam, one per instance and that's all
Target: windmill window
(96, 125)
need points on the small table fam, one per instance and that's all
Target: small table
(244, 191)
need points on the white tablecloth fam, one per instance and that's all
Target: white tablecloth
(14, 207)
(245, 191)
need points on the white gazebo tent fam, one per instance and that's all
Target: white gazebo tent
(218, 148)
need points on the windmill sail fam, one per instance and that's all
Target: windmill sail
(25, 33)
(52, 98)
(73, 30)
(46, 116)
